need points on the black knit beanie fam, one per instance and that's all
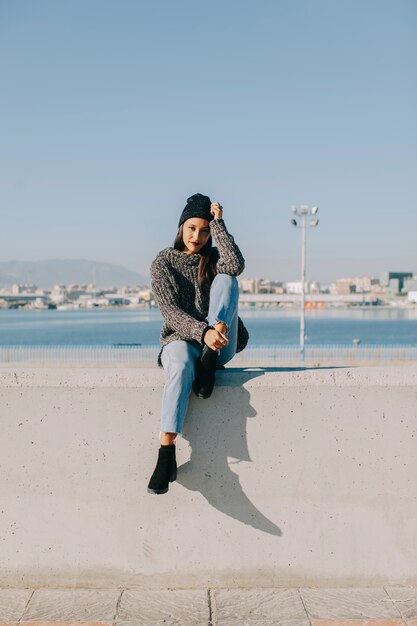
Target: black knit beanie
(197, 206)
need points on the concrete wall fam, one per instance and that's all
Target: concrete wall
(292, 477)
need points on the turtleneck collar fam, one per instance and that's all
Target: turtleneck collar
(180, 257)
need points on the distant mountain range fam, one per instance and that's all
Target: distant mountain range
(63, 272)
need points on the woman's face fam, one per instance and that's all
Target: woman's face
(195, 234)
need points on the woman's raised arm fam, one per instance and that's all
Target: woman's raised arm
(230, 260)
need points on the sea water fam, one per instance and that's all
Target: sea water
(373, 325)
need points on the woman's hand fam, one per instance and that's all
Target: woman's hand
(215, 340)
(216, 210)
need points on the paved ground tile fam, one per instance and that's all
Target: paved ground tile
(251, 604)
(163, 622)
(58, 623)
(72, 604)
(349, 603)
(150, 607)
(405, 599)
(12, 603)
(262, 622)
(358, 622)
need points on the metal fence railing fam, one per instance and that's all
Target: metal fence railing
(259, 355)
(82, 354)
(333, 353)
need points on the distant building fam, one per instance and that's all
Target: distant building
(269, 286)
(359, 284)
(58, 294)
(248, 285)
(26, 288)
(344, 287)
(410, 284)
(400, 277)
(315, 287)
(393, 288)
(294, 287)
(377, 288)
(75, 294)
(277, 287)
(264, 286)
(145, 295)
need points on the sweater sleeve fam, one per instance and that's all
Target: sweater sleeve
(230, 260)
(186, 326)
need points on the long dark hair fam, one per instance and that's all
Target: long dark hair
(206, 265)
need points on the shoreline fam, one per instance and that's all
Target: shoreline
(242, 307)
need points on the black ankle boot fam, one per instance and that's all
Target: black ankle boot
(165, 471)
(205, 373)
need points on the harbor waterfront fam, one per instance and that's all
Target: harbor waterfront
(131, 337)
(369, 326)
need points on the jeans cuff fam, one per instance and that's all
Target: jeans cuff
(222, 322)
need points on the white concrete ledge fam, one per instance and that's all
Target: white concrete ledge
(287, 477)
(250, 377)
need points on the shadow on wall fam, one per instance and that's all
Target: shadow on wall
(215, 436)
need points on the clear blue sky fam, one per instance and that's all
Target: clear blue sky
(114, 112)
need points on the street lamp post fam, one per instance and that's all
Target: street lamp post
(303, 212)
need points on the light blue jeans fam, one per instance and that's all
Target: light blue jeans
(179, 357)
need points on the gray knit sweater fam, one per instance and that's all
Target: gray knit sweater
(184, 306)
